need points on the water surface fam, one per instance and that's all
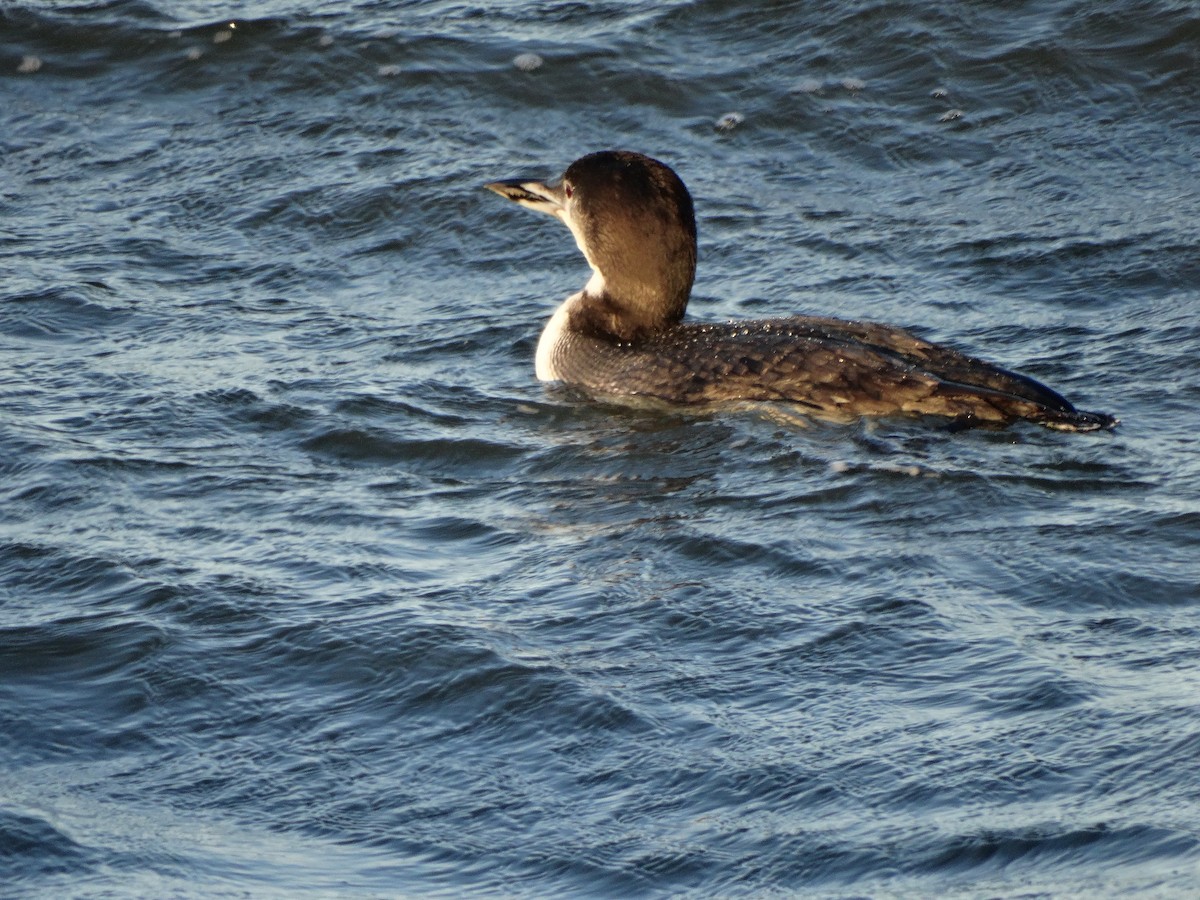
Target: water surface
(308, 588)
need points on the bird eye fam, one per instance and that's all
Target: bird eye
(568, 190)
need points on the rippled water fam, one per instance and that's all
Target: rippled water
(307, 587)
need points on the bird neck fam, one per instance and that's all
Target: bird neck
(629, 309)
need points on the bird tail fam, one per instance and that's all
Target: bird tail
(1076, 420)
(981, 405)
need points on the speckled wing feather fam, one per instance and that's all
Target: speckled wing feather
(828, 366)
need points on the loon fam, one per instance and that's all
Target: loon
(624, 334)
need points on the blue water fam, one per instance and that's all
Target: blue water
(309, 588)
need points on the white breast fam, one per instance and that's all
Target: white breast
(547, 346)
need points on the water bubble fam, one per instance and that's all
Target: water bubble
(729, 121)
(527, 62)
(388, 70)
(195, 53)
(29, 65)
(809, 86)
(939, 93)
(900, 469)
(951, 115)
(853, 84)
(225, 34)
(325, 40)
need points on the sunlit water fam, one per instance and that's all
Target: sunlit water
(310, 589)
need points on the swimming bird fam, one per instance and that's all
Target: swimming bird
(624, 334)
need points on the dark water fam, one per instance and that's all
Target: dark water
(308, 588)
